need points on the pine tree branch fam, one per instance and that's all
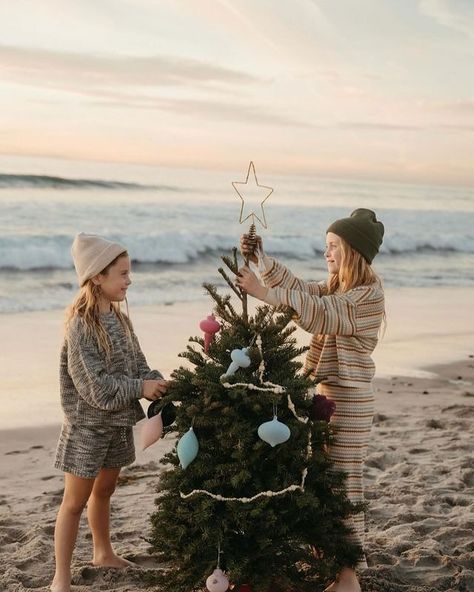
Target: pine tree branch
(229, 281)
(226, 316)
(285, 333)
(224, 309)
(245, 315)
(193, 356)
(212, 291)
(232, 265)
(234, 253)
(230, 307)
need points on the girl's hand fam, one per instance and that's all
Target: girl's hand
(249, 246)
(248, 281)
(154, 389)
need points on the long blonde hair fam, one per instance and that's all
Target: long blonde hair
(86, 306)
(354, 271)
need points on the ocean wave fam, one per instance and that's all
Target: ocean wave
(50, 182)
(46, 252)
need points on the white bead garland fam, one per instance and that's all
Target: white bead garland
(268, 386)
(277, 389)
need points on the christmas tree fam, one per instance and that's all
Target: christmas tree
(268, 515)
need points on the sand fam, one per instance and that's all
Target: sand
(419, 473)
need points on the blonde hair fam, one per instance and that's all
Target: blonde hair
(354, 271)
(86, 306)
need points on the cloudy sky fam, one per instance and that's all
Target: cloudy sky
(378, 89)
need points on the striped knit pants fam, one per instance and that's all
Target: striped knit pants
(351, 423)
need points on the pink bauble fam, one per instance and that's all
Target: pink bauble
(209, 326)
(151, 431)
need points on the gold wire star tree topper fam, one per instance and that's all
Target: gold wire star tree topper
(253, 196)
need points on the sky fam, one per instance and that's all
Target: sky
(370, 89)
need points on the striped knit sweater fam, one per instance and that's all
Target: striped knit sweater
(345, 326)
(95, 391)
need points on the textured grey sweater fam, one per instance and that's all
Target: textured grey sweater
(96, 391)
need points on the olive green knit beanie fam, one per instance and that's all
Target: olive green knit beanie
(362, 231)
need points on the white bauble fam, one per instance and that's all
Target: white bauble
(217, 581)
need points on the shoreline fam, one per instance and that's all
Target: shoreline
(423, 330)
(452, 374)
(455, 375)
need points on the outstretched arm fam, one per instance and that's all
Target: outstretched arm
(330, 315)
(273, 273)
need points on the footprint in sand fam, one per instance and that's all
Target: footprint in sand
(434, 424)
(16, 452)
(36, 447)
(11, 535)
(99, 577)
(418, 451)
(468, 478)
(144, 561)
(463, 411)
(54, 499)
(456, 500)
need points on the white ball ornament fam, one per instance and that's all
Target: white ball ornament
(240, 359)
(274, 432)
(217, 581)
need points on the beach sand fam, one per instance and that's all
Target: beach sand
(419, 472)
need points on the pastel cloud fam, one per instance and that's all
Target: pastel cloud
(453, 14)
(356, 88)
(52, 68)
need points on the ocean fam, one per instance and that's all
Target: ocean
(177, 223)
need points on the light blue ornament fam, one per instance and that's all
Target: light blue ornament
(274, 432)
(240, 359)
(188, 447)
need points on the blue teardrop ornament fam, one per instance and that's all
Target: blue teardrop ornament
(188, 447)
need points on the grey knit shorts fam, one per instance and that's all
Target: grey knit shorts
(84, 450)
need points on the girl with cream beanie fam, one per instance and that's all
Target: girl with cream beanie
(103, 375)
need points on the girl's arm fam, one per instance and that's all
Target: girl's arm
(328, 315)
(358, 311)
(89, 374)
(274, 274)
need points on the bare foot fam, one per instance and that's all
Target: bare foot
(113, 561)
(346, 581)
(57, 586)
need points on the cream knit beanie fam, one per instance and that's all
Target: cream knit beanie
(91, 254)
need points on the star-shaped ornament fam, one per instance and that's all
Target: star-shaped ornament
(253, 197)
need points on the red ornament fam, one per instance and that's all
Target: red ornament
(245, 588)
(209, 326)
(322, 408)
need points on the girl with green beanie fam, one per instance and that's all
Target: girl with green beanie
(344, 313)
